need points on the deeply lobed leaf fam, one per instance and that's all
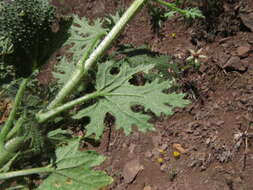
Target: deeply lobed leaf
(119, 96)
(76, 179)
(82, 34)
(73, 170)
(70, 157)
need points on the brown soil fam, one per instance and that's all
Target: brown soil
(213, 131)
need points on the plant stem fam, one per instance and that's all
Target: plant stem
(74, 78)
(42, 117)
(16, 128)
(9, 149)
(171, 6)
(8, 175)
(7, 126)
(97, 53)
(5, 157)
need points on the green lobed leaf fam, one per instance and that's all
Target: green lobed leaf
(76, 179)
(142, 55)
(70, 157)
(63, 71)
(193, 13)
(119, 96)
(59, 135)
(73, 170)
(82, 34)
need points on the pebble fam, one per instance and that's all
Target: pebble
(243, 51)
(147, 188)
(131, 170)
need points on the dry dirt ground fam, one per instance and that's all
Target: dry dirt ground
(213, 134)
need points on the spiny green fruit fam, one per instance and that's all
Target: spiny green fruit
(28, 25)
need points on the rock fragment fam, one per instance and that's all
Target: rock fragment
(243, 51)
(147, 188)
(131, 170)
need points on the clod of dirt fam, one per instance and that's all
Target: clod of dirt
(147, 188)
(179, 148)
(131, 170)
(234, 64)
(243, 51)
(247, 19)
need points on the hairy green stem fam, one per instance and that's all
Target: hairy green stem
(8, 175)
(16, 128)
(42, 117)
(7, 126)
(171, 6)
(97, 53)
(9, 149)
(5, 156)
(74, 79)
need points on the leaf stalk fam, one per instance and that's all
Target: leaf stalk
(25, 172)
(74, 79)
(42, 117)
(8, 124)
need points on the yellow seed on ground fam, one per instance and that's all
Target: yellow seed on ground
(160, 160)
(173, 35)
(161, 151)
(176, 154)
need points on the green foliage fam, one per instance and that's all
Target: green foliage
(27, 24)
(111, 20)
(159, 15)
(73, 170)
(7, 72)
(142, 55)
(23, 21)
(82, 34)
(193, 13)
(62, 71)
(120, 96)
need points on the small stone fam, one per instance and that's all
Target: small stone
(243, 51)
(179, 148)
(147, 188)
(131, 170)
(247, 19)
